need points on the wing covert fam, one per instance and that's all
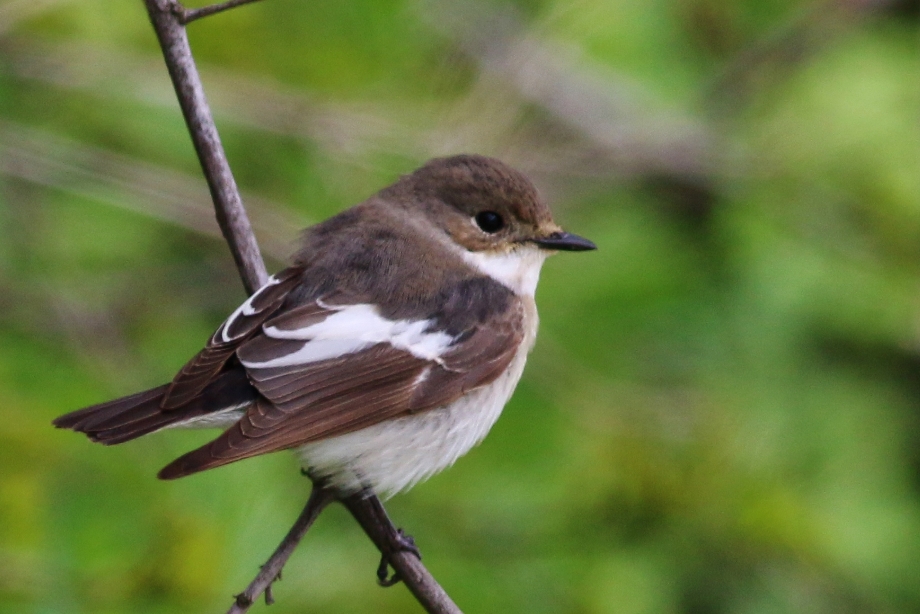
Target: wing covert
(201, 370)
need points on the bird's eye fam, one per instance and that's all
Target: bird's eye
(489, 221)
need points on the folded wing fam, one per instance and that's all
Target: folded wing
(209, 384)
(333, 366)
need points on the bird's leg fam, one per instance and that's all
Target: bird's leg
(403, 542)
(372, 516)
(269, 597)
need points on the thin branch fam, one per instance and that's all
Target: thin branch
(187, 16)
(234, 223)
(367, 509)
(271, 571)
(371, 515)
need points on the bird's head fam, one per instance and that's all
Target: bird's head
(485, 206)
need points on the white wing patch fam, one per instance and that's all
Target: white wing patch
(352, 328)
(245, 309)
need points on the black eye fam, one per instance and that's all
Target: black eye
(489, 221)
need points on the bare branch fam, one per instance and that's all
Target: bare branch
(319, 499)
(234, 223)
(372, 517)
(189, 15)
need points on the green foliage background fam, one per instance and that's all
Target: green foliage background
(722, 413)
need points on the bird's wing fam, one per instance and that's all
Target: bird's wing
(205, 366)
(325, 369)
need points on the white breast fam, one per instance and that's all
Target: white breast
(518, 269)
(395, 455)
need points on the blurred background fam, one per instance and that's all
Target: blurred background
(722, 412)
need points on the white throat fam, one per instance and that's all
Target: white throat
(518, 269)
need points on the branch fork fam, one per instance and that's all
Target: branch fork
(187, 16)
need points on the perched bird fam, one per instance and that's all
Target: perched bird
(385, 352)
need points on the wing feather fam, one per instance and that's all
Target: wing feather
(205, 366)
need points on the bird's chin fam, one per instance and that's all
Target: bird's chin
(517, 269)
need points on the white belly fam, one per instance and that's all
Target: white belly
(395, 455)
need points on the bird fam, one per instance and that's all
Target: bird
(384, 352)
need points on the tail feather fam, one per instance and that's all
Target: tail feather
(115, 433)
(197, 460)
(139, 414)
(221, 451)
(96, 420)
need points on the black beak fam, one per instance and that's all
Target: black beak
(565, 241)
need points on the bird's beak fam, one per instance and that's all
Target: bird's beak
(565, 241)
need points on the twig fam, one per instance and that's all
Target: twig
(187, 16)
(319, 499)
(228, 206)
(367, 509)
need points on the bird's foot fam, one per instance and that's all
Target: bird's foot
(245, 600)
(401, 542)
(269, 597)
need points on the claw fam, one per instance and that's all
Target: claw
(401, 543)
(383, 573)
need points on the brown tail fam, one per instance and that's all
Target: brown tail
(132, 416)
(122, 419)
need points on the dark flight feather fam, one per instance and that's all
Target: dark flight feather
(201, 369)
(130, 417)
